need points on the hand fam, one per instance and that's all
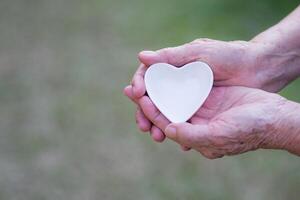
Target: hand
(236, 63)
(233, 120)
(233, 63)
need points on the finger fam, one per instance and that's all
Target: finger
(185, 148)
(152, 113)
(143, 123)
(128, 92)
(157, 135)
(138, 84)
(187, 134)
(177, 56)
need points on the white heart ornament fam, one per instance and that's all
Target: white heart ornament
(178, 92)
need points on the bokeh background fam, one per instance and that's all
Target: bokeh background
(67, 132)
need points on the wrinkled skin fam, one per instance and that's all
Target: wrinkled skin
(240, 63)
(232, 120)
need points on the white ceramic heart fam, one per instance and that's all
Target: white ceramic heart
(178, 92)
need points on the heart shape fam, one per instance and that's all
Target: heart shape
(178, 92)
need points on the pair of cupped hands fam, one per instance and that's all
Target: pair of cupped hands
(242, 112)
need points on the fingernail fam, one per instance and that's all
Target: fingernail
(126, 88)
(170, 132)
(148, 53)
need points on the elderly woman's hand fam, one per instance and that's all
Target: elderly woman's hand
(234, 120)
(237, 63)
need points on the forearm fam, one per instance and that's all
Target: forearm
(285, 34)
(283, 52)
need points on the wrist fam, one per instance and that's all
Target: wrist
(275, 66)
(289, 125)
(281, 54)
(285, 132)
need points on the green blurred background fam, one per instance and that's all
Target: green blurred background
(67, 132)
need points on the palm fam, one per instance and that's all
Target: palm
(232, 103)
(238, 114)
(222, 100)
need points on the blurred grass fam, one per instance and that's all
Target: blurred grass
(68, 133)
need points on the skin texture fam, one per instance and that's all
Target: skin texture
(232, 121)
(269, 62)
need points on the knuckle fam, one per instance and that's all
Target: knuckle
(210, 156)
(196, 41)
(207, 154)
(214, 156)
(166, 53)
(143, 128)
(159, 120)
(200, 40)
(211, 153)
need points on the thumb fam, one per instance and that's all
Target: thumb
(187, 134)
(176, 56)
